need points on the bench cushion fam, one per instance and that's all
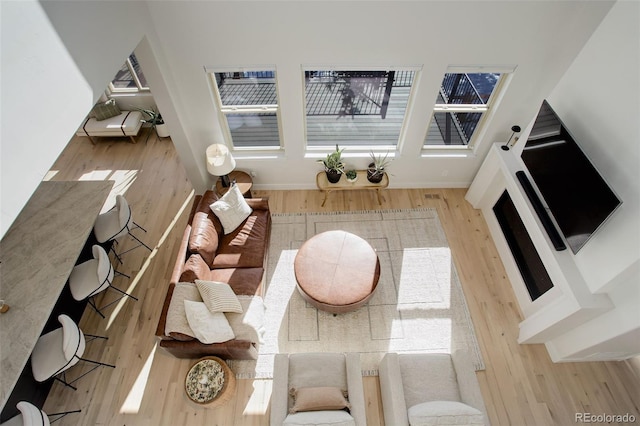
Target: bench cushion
(127, 123)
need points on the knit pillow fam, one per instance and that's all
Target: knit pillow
(218, 297)
(105, 110)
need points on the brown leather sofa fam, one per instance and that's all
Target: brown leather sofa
(207, 254)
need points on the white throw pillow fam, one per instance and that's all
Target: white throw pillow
(219, 297)
(209, 327)
(232, 209)
(444, 413)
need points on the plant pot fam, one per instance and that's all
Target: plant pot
(162, 130)
(373, 176)
(352, 180)
(333, 176)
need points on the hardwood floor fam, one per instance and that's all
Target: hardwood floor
(520, 385)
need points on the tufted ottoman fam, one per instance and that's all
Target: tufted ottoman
(337, 271)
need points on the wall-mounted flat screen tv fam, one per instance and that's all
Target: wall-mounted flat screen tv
(575, 193)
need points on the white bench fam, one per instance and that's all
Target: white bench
(128, 123)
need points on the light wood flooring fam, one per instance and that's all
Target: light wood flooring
(520, 385)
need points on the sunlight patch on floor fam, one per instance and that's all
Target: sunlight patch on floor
(258, 402)
(134, 398)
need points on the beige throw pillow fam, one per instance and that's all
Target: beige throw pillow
(218, 297)
(177, 325)
(232, 209)
(318, 398)
(208, 327)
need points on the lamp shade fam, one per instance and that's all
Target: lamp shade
(220, 162)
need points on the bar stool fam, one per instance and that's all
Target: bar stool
(115, 223)
(30, 415)
(59, 350)
(94, 276)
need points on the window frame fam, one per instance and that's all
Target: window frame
(223, 110)
(359, 150)
(136, 79)
(487, 109)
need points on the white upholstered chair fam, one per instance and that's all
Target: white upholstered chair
(429, 389)
(115, 223)
(321, 372)
(30, 415)
(94, 276)
(59, 350)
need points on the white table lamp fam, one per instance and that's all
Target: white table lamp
(220, 162)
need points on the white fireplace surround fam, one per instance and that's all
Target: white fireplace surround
(569, 303)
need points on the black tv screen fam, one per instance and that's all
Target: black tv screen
(577, 196)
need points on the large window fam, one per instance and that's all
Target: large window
(130, 77)
(248, 103)
(356, 108)
(463, 100)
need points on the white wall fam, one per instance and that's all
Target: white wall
(541, 38)
(57, 58)
(62, 61)
(606, 73)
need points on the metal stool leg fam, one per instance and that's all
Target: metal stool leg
(61, 415)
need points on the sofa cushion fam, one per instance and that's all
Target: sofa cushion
(444, 413)
(195, 269)
(104, 110)
(304, 367)
(246, 246)
(218, 296)
(329, 418)
(435, 369)
(249, 325)
(243, 281)
(208, 327)
(177, 325)
(232, 209)
(205, 229)
(318, 399)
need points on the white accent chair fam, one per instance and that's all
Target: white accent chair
(30, 415)
(294, 371)
(431, 389)
(94, 276)
(59, 350)
(115, 223)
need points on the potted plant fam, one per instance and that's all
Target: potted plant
(376, 169)
(352, 175)
(156, 121)
(333, 165)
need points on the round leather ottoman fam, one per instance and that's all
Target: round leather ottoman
(337, 271)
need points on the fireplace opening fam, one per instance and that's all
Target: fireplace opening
(533, 272)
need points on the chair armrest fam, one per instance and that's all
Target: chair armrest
(258, 203)
(280, 391)
(356, 388)
(468, 384)
(181, 258)
(392, 392)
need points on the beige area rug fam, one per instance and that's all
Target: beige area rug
(418, 306)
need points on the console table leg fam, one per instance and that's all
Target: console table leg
(325, 198)
(379, 196)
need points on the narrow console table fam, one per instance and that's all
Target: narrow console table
(343, 184)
